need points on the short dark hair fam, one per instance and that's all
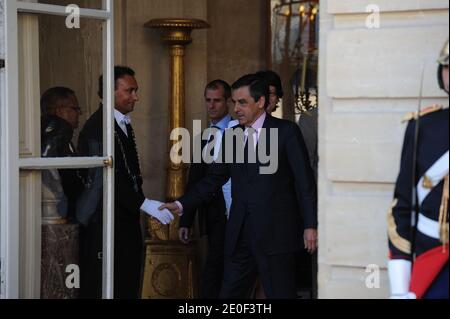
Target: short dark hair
(214, 85)
(119, 72)
(51, 97)
(257, 86)
(273, 79)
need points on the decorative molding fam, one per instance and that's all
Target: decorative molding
(166, 279)
(177, 31)
(170, 271)
(177, 23)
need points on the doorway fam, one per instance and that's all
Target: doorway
(293, 42)
(25, 196)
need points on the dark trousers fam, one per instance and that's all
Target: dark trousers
(128, 258)
(91, 239)
(276, 272)
(212, 275)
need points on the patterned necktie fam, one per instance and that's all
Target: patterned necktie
(250, 153)
(124, 123)
(126, 120)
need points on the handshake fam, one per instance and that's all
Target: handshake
(160, 211)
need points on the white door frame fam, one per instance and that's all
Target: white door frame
(11, 164)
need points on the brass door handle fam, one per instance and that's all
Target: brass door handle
(109, 162)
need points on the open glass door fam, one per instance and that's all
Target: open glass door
(22, 166)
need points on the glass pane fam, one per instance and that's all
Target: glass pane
(295, 30)
(59, 80)
(50, 238)
(72, 58)
(71, 265)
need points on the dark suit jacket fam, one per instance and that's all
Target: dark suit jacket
(211, 211)
(127, 202)
(433, 143)
(276, 205)
(56, 137)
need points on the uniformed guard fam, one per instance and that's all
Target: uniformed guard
(418, 221)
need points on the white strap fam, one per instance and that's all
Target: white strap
(435, 174)
(428, 227)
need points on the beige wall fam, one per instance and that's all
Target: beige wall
(237, 40)
(369, 78)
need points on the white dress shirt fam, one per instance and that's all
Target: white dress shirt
(122, 120)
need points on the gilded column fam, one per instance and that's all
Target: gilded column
(175, 174)
(170, 270)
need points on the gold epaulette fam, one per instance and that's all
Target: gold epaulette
(413, 115)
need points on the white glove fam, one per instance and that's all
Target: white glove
(409, 295)
(150, 207)
(399, 277)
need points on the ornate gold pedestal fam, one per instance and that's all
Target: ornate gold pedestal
(170, 267)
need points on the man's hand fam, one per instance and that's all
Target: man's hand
(173, 207)
(310, 239)
(184, 234)
(150, 207)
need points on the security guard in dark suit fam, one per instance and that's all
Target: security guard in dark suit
(212, 215)
(418, 221)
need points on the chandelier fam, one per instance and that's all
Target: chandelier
(300, 21)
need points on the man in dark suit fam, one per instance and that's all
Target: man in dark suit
(129, 198)
(263, 231)
(60, 117)
(212, 215)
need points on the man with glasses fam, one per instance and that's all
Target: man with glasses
(60, 117)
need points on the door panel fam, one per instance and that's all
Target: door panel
(21, 135)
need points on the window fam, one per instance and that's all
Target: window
(21, 161)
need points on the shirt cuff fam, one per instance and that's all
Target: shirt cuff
(180, 207)
(145, 205)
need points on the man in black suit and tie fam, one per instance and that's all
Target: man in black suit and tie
(211, 215)
(129, 197)
(263, 231)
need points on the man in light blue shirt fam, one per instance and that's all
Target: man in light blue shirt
(212, 215)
